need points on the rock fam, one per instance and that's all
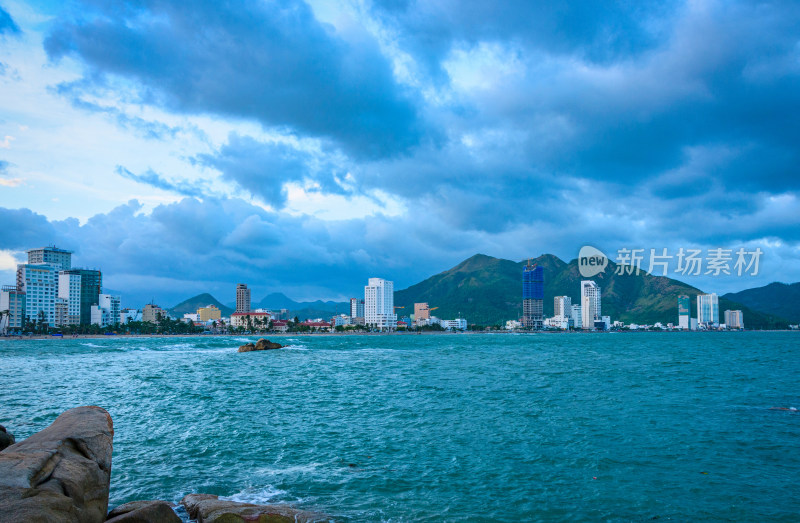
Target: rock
(150, 511)
(62, 473)
(206, 508)
(261, 344)
(6, 438)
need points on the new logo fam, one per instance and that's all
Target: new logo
(591, 261)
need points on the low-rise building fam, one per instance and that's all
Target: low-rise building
(208, 313)
(459, 324)
(254, 320)
(559, 322)
(153, 313)
(126, 315)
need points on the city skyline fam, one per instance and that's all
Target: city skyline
(415, 136)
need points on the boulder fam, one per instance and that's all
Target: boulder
(261, 344)
(150, 511)
(62, 473)
(206, 508)
(6, 438)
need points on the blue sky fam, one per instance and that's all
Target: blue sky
(304, 147)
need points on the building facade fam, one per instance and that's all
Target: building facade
(210, 312)
(40, 285)
(708, 310)
(153, 313)
(590, 304)
(69, 289)
(12, 304)
(379, 304)
(683, 312)
(422, 311)
(51, 255)
(734, 319)
(356, 308)
(91, 282)
(562, 306)
(533, 296)
(242, 298)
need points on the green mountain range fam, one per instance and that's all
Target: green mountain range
(487, 291)
(780, 299)
(201, 300)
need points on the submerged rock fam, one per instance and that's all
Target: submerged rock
(149, 511)
(6, 438)
(61, 473)
(261, 344)
(207, 508)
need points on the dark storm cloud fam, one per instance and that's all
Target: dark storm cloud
(598, 31)
(262, 168)
(272, 62)
(7, 24)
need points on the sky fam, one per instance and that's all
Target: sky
(303, 147)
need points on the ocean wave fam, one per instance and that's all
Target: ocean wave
(260, 496)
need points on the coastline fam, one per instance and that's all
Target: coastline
(344, 334)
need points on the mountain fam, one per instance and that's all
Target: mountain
(779, 299)
(487, 290)
(201, 300)
(305, 309)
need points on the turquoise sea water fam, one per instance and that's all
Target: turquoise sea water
(619, 427)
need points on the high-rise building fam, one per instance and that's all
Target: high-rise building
(69, 290)
(51, 255)
(242, 298)
(379, 304)
(533, 296)
(683, 312)
(40, 285)
(708, 310)
(734, 319)
(590, 304)
(562, 306)
(356, 308)
(577, 316)
(91, 281)
(422, 311)
(12, 304)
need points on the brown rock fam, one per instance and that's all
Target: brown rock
(60, 474)
(6, 438)
(261, 344)
(150, 511)
(206, 508)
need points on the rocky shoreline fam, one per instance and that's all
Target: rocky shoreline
(63, 474)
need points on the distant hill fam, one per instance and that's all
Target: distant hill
(201, 300)
(779, 299)
(305, 309)
(487, 290)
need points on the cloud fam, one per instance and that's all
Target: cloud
(273, 63)
(152, 178)
(264, 168)
(7, 24)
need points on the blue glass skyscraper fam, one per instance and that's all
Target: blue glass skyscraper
(533, 296)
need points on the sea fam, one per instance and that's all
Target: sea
(694, 426)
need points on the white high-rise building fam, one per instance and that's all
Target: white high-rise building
(562, 306)
(12, 302)
(69, 289)
(379, 304)
(107, 311)
(590, 303)
(39, 282)
(708, 310)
